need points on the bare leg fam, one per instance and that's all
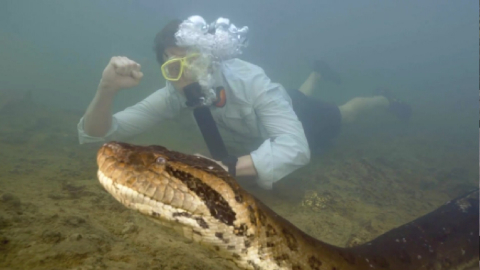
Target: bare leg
(356, 106)
(310, 84)
(359, 105)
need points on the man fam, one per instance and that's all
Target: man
(255, 117)
(257, 114)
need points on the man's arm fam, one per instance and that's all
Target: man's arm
(287, 148)
(99, 125)
(163, 103)
(98, 117)
(120, 73)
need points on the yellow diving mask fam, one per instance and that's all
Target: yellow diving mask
(173, 69)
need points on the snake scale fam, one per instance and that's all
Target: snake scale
(204, 203)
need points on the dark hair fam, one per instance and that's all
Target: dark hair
(165, 38)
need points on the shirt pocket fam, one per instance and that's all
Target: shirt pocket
(242, 120)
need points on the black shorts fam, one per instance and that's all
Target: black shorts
(321, 120)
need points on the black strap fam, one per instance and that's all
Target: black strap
(209, 128)
(210, 133)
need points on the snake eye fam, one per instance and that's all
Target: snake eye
(160, 160)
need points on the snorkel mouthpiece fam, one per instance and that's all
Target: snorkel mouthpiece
(193, 93)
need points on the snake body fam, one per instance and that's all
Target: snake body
(204, 203)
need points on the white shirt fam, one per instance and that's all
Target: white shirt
(257, 116)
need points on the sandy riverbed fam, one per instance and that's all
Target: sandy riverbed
(55, 215)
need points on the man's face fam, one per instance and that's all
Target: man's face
(177, 52)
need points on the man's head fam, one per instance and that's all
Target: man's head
(186, 62)
(190, 51)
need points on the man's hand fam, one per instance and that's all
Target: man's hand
(121, 73)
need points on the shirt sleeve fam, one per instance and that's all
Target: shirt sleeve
(287, 148)
(161, 104)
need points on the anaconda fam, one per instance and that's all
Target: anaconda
(198, 198)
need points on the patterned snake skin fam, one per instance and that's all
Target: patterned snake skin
(201, 201)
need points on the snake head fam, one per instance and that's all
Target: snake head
(169, 185)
